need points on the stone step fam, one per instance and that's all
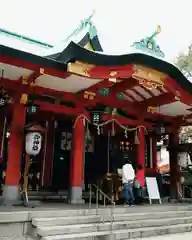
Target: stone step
(83, 228)
(43, 222)
(125, 233)
(82, 211)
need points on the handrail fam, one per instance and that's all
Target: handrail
(188, 188)
(97, 202)
(98, 190)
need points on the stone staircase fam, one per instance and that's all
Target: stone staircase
(118, 223)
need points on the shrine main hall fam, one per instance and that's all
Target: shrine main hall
(93, 111)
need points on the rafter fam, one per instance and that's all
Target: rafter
(122, 86)
(98, 86)
(110, 101)
(129, 96)
(138, 93)
(162, 99)
(32, 78)
(26, 64)
(173, 87)
(147, 90)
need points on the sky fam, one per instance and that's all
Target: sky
(119, 23)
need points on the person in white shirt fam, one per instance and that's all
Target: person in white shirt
(128, 176)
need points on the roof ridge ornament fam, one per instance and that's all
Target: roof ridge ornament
(88, 20)
(149, 45)
(83, 24)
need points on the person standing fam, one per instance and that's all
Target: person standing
(128, 176)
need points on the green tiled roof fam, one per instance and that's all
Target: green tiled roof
(21, 37)
(85, 24)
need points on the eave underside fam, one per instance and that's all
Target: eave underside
(67, 87)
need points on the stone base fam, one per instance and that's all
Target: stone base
(76, 196)
(11, 195)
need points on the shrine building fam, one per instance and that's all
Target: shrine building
(96, 109)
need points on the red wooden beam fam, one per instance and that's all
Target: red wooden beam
(58, 109)
(173, 87)
(32, 66)
(100, 85)
(106, 72)
(147, 90)
(96, 87)
(33, 76)
(79, 100)
(129, 95)
(138, 93)
(162, 99)
(48, 107)
(122, 86)
(15, 85)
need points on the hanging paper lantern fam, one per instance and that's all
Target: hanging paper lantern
(33, 143)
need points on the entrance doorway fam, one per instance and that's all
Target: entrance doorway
(62, 153)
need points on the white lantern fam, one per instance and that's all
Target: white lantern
(33, 142)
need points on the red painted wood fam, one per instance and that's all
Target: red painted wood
(123, 85)
(32, 66)
(165, 98)
(141, 148)
(172, 86)
(15, 146)
(77, 158)
(106, 72)
(58, 109)
(154, 152)
(96, 87)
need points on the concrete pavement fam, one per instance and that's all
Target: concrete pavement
(185, 236)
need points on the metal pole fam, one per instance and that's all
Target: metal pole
(90, 195)
(97, 199)
(108, 152)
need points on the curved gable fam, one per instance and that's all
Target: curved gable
(75, 52)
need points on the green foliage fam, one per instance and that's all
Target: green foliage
(184, 62)
(186, 133)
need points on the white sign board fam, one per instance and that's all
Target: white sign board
(152, 189)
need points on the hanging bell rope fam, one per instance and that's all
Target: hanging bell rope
(136, 140)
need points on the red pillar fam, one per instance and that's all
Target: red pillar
(13, 170)
(141, 148)
(77, 162)
(154, 152)
(49, 154)
(173, 161)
